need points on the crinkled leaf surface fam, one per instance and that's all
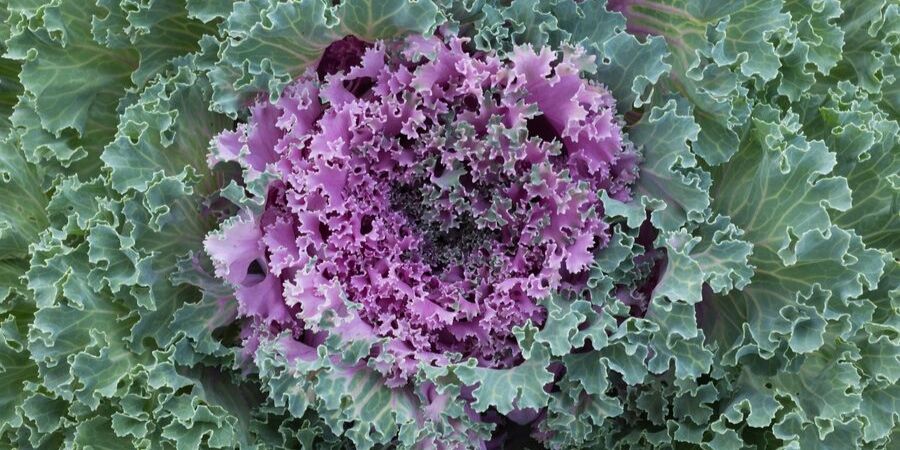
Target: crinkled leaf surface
(761, 312)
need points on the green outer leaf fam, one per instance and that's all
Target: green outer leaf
(10, 89)
(718, 260)
(353, 400)
(771, 164)
(707, 38)
(76, 81)
(817, 28)
(518, 387)
(264, 55)
(209, 10)
(96, 434)
(765, 178)
(868, 148)
(376, 412)
(167, 130)
(65, 155)
(669, 170)
(23, 218)
(789, 333)
(870, 31)
(138, 24)
(16, 368)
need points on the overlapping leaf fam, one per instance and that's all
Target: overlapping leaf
(763, 314)
(268, 44)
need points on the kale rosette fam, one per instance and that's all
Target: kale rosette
(449, 224)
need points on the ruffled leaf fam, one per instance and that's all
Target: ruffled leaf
(264, 55)
(669, 171)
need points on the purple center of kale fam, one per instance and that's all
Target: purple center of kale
(442, 193)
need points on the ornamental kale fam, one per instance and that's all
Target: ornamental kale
(450, 224)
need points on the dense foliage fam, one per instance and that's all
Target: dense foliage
(450, 224)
